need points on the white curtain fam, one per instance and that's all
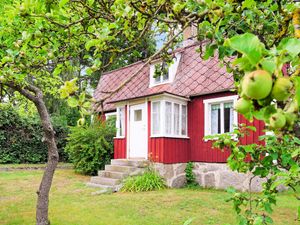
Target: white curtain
(156, 118)
(183, 120)
(168, 118)
(122, 122)
(176, 119)
(214, 119)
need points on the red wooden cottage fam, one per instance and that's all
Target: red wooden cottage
(165, 118)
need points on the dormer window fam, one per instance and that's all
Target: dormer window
(162, 72)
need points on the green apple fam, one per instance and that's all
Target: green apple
(278, 120)
(282, 89)
(257, 84)
(243, 105)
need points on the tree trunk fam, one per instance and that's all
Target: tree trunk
(35, 95)
(49, 139)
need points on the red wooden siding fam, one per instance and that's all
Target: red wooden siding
(120, 147)
(201, 150)
(179, 150)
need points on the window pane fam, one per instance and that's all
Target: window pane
(215, 119)
(228, 117)
(176, 119)
(165, 71)
(138, 115)
(184, 120)
(168, 118)
(122, 122)
(155, 118)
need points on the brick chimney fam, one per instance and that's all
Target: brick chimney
(189, 35)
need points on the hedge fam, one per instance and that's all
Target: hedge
(21, 139)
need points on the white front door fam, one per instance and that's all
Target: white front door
(138, 131)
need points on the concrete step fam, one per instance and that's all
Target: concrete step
(122, 169)
(112, 174)
(90, 184)
(105, 181)
(140, 163)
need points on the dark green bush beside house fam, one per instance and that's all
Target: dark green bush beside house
(90, 147)
(21, 139)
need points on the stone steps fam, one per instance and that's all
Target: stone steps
(112, 174)
(111, 178)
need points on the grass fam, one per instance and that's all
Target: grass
(24, 166)
(71, 203)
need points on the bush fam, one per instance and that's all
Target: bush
(21, 138)
(90, 147)
(148, 181)
(190, 177)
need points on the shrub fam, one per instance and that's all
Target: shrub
(148, 181)
(21, 138)
(190, 177)
(90, 147)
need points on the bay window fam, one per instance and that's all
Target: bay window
(220, 116)
(169, 119)
(121, 122)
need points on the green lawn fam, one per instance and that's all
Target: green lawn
(72, 203)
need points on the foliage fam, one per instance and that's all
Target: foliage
(190, 177)
(150, 180)
(263, 161)
(21, 138)
(90, 147)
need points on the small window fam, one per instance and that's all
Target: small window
(220, 116)
(138, 115)
(161, 72)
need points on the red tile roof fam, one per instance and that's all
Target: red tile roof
(194, 77)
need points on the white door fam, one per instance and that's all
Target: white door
(138, 131)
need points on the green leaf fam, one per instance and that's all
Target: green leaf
(268, 65)
(91, 43)
(73, 102)
(249, 45)
(297, 85)
(291, 45)
(57, 70)
(62, 3)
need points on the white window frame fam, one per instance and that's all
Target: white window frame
(107, 115)
(163, 118)
(172, 71)
(207, 112)
(118, 122)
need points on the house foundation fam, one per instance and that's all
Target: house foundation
(209, 175)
